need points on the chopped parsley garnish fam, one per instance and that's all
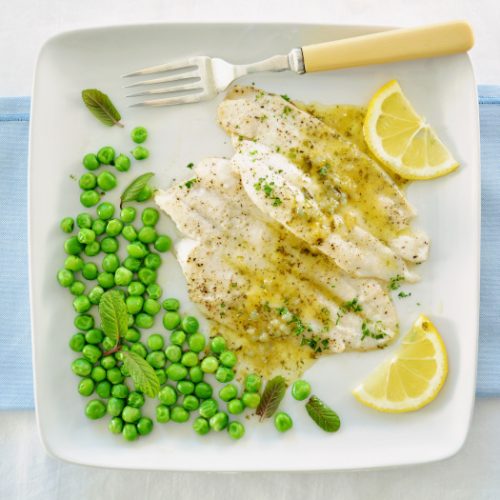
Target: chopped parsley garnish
(324, 170)
(395, 283)
(262, 118)
(189, 184)
(286, 110)
(277, 202)
(352, 305)
(190, 165)
(284, 96)
(403, 295)
(253, 152)
(376, 334)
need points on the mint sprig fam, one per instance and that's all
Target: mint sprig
(100, 105)
(323, 415)
(142, 373)
(271, 397)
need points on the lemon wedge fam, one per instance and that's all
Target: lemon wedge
(412, 377)
(401, 139)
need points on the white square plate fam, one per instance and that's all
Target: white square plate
(63, 131)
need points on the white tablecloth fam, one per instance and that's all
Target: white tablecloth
(27, 472)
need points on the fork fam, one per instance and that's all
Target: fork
(201, 78)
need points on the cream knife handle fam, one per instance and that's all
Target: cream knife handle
(390, 46)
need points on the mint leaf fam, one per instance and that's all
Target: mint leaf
(271, 397)
(100, 105)
(323, 415)
(142, 373)
(133, 190)
(114, 315)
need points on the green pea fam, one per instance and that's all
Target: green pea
(151, 307)
(178, 337)
(95, 294)
(147, 234)
(171, 304)
(123, 276)
(132, 264)
(219, 421)
(86, 236)
(133, 335)
(87, 181)
(84, 322)
(108, 343)
(136, 288)
(90, 271)
(139, 135)
(176, 372)
(114, 227)
(144, 320)
(236, 430)
(106, 155)
(228, 392)
(156, 342)
(95, 409)
(162, 414)
(86, 387)
(203, 390)
(210, 364)
(171, 320)
(73, 263)
(103, 389)
(253, 383)
(173, 353)
(77, 288)
(162, 377)
(156, 359)
(144, 426)
(120, 391)
(190, 325)
(154, 292)
(92, 249)
(208, 408)
(196, 342)
(84, 220)
(72, 246)
(108, 362)
(114, 375)
(235, 406)
(98, 374)
(140, 349)
(218, 345)
(145, 194)
(115, 425)
(129, 233)
(131, 414)
(201, 426)
(109, 245)
(106, 280)
(115, 406)
(190, 403)
(90, 161)
(140, 153)
(129, 432)
(282, 421)
(110, 263)
(196, 374)
(92, 353)
(122, 163)
(130, 320)
(224, 374)
(190, 359)
(106, 180)
(163, 243)
(185, 387)
(77, 342)
(90, 198)
(150, 216)
(65, 278)
(98, 226)
(152, 261)
(135, 399)
(137, 250)
(228, 358)
(105, 210)
(167, 395)
(179, 415)
(128, 214)
(67, 224)
(301, 390)
(81, 367)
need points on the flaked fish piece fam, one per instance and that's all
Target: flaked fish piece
(249, 274)
(354, 186)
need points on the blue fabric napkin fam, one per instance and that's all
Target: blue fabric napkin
(16, 385)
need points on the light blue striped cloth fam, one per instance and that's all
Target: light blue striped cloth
(16, 387)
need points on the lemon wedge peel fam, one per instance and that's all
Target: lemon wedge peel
(402, 140)
(412, 377)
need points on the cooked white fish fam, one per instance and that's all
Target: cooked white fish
(265, 287)
(352, 190)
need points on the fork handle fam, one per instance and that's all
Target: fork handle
(390, 46)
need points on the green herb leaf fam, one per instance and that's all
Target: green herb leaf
(101, 107)
(142, 373)
(271, 397)
(395, 282)
(133, 190)
(114, 315)
(323, 415)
